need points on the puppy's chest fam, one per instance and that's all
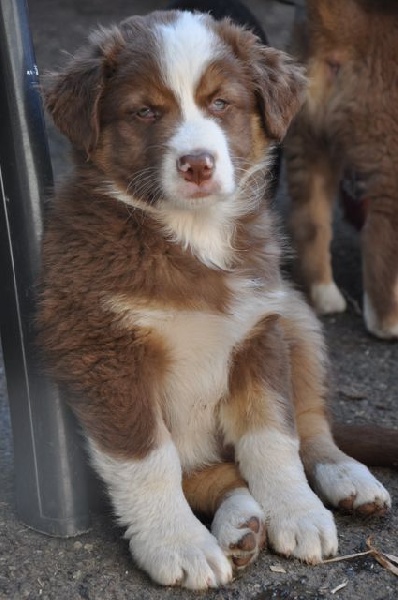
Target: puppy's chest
(200, 345)
(202, 340)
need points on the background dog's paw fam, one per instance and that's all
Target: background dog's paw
(239, 528)
(327, 299)
(306, 532)
(385, 329)
(193, 560)
(351, 487)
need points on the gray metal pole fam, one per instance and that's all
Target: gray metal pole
(50, 466)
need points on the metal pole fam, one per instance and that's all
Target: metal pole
(50, 466)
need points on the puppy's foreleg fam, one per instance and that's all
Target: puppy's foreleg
(166, 539)
(258, 418)
(238, 524)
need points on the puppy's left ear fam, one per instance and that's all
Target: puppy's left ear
(281, 86)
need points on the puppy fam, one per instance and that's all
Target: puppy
(349, 123)
(196, 372)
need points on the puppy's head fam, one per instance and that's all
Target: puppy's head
(175, 108)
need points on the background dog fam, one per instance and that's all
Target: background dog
(348, 123)
(196, 372)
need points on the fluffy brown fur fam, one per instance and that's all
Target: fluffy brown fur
(349, 122)
(114, 278)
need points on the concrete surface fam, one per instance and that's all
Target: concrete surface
(97, 566)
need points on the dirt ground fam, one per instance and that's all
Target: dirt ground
(97, 566)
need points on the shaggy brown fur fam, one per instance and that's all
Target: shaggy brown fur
(349, 121)
(114, 279)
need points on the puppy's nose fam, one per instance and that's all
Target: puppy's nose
(196, 167)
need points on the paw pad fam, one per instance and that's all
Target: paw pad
(245, 550)
(240, 529)
(368, 509)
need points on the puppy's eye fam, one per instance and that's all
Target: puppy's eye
(146, 113)
(219, 105)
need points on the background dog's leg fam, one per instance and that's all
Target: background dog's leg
(338, 479)
(312, 185)
(380, 268)
(239, 523)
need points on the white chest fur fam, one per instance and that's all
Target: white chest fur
(200, 345)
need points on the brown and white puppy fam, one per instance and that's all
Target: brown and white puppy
(349, 122)
(163, 310)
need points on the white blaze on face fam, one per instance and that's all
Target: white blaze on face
(187, 46)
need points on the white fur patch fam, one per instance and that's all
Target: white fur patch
(327, 299)
(166, 539)
(207, 232)
(298, 523)
(207, 229)
(199, 345)
(341, 481)
(231, 520)
(187, 47)
(373, 324)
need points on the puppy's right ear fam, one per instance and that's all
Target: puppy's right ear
(73, 95)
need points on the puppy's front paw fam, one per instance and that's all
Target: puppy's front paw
(305, 530)
(351, 487)
(192, 559)
(239, 526)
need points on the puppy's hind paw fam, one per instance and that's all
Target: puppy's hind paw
(239, 528)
